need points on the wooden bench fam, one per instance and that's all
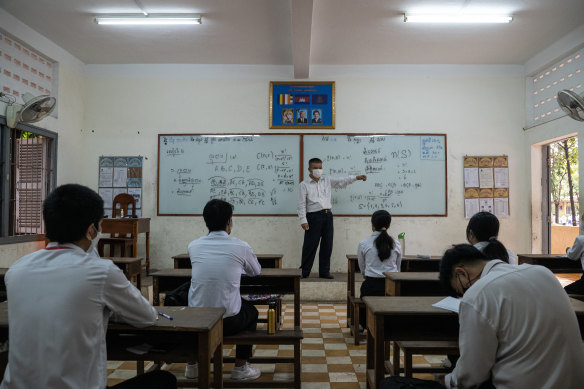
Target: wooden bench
(442, 347)
(290, 337)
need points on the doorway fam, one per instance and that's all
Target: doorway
(562, 205)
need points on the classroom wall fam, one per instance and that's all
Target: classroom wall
(480, 108)
(67, 124)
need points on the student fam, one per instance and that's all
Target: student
(316, 219)
(482, 231)
(576, 252)
(218, 261)
(517, 326)
(60, 300)
(377, 254)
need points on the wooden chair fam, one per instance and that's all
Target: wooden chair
(124, 200)
(125, 242)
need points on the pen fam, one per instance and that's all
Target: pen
(165, 315)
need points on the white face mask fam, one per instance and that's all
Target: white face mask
(317, 173)
(94, 241)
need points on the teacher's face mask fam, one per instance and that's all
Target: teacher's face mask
(317, 173)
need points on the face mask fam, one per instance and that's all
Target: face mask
(317, 173)
(468, 285)
(95, 241)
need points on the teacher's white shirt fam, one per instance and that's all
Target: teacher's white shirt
(315, 196)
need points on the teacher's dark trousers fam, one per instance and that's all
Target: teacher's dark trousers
(320, 229)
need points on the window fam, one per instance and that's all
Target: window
(28, 157)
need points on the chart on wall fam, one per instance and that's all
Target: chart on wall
(406, 174)
(120, 174)
(486, 185)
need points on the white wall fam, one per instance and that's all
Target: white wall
(68, 124)
(480, 108)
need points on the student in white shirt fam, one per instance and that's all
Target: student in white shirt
(61, 298)
(316, 218)
(518, 329)
(482, 232)
(576, 252)
(377, 254)
(218, 260)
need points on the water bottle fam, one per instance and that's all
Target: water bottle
(272, 319)
(402, 241)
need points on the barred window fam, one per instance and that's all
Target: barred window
(28, 158)
(542, 88)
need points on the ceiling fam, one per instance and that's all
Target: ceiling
(300, 32)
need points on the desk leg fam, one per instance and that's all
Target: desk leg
(139, 280)
(218, 367)
(147, 253)
(379, 350)
(349, 305)
(155, 295)
(296, 302)
(204, 361)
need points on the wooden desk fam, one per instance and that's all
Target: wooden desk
(132, 267)
(133, 227)
(553, 262)
(268, 261)
(413, 284)
(195, 334)
(410, 263)
(413, 318)
(272, 281)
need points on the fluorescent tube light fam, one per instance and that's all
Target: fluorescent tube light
(457, 18)
(151, 19)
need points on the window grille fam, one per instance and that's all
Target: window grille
(542, 88)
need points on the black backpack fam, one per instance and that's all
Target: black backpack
(178, 297)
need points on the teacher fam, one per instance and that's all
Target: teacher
(316, 219)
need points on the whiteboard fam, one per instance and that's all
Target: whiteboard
(258, 174)
(406, 174)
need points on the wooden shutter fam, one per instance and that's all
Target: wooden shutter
(31, 183)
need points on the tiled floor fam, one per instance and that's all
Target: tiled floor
(329, 358)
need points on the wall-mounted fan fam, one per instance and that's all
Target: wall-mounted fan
(33, 109)
(572, 104)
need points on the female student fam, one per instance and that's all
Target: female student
(482, 231)
(377, 254)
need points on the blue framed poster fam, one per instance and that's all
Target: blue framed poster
(309, 105)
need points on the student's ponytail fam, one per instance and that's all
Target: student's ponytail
(485, 228)
(496, 250)
(384, 243)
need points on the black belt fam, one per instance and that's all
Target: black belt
(321, 211)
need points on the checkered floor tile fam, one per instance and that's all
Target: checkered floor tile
(330, 360)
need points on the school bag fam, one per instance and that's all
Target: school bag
(178, 297)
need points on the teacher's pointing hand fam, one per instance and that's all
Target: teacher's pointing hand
(362, 177)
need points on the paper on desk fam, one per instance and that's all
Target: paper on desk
(140, 349)
(449, 303)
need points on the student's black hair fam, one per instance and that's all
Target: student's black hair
(314, 160)
(217, 214)
(485, 227)
(384, 243)
(462, 254)
(69, 210)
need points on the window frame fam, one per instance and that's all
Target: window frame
(5, 182)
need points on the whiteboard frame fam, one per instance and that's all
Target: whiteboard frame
(385, 134)
(301, 168)
(300, 151)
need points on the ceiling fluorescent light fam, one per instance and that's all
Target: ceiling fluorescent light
(151, 19)
(457, 18)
